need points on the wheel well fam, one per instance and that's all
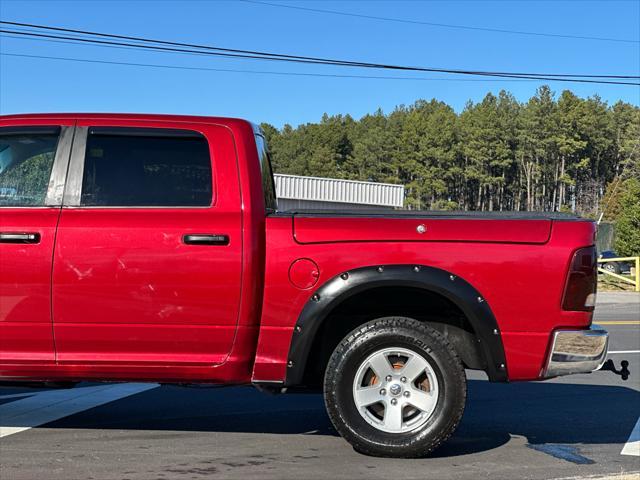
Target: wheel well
(423, 305)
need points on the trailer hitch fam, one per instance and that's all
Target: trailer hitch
(611, 367)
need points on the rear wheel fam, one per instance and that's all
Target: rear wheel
(395, 387)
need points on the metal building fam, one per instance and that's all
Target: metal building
(297, 192)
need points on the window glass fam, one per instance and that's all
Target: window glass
(26, 160)
(268, 187)
(146, 167)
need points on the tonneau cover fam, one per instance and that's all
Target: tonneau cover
(402, 226)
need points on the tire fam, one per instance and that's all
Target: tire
(613, 267)
(435, 382)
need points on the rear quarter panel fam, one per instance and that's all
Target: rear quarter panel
(522, 283)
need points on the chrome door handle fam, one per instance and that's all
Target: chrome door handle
(19, 237)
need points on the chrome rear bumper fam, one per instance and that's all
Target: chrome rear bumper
(576, 351)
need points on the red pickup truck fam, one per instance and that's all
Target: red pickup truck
(150, 248)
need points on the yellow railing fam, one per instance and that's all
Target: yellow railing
(636, 282)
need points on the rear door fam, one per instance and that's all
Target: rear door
(148, 257)
(33, 162)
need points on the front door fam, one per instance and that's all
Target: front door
(147, 268)
(33, 163)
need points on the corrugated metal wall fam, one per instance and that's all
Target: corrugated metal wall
(335, 191)
(293, 204)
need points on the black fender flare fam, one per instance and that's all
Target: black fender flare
(328, 296)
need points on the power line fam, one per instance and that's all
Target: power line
(260, 72)
(440, 25)
(294, 58)
(239, 54)
(68, 42)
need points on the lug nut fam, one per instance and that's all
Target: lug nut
(403, 379)
(383, 391)
(393, 401)
(406, 393)
(388, 378)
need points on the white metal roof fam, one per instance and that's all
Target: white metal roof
(337, 190)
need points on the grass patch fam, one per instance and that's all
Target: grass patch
(607, 283)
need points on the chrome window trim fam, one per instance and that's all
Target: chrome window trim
(137, 207)
(57, 180)
(76, 168)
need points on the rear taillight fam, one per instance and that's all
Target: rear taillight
(582, 280)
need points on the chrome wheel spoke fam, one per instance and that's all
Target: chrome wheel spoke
(366, 396)
(380, 365)
(424, 401)
(393, 417)
(414, 367)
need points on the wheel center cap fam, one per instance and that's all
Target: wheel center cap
(395, 389)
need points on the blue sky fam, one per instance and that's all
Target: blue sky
(44, 85)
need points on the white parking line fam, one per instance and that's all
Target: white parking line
(44, 407)
(632, 447)
(623, 351)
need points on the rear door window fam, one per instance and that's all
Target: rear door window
(146, 167)
(26, 160)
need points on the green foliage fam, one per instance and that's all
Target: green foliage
(499, 154)
(29, 180)
(627, 241)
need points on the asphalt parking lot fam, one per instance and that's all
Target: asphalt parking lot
(565, 428)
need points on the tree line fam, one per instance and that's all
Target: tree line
(550, 153)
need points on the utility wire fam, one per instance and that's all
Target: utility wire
(312, 60)
(296, 58)
(440, 25)
(260, 72)
(68, 42)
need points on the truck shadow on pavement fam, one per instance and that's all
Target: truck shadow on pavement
(543, 413)
(555, 413)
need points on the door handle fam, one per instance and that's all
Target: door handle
(19, 237)
(206, 239)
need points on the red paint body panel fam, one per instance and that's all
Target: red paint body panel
(132, 302)
(25, 282)
(126, 289)
(327, 230)
(304, 273)
(26, 334)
